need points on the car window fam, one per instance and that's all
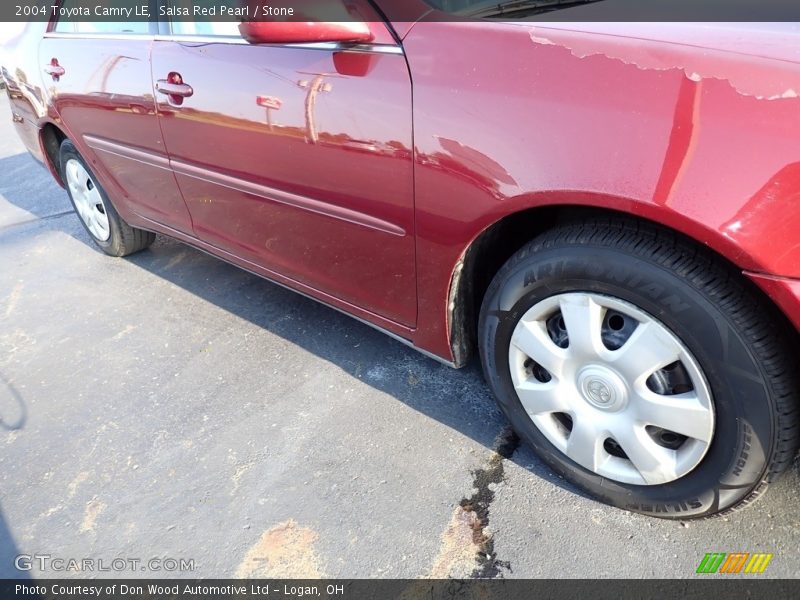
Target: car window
(66, 25)
(504, 9)
(215, 28)
(182, 25)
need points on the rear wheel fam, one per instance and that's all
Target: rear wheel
(98, 216)
(642, 369)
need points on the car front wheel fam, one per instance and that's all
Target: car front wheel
(642, 369)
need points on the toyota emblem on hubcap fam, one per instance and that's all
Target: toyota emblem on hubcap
(602, 388)
(599, 391)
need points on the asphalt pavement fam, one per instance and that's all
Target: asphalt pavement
(170, 406)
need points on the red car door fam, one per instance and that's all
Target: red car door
(296, 158)
(97, 76)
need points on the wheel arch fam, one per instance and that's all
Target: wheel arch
(50, 138)
(497, 242)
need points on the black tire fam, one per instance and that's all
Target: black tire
(745, 349)
(123, 239)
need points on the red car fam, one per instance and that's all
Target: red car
(607, 214)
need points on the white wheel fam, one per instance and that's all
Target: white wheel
(88, 201)
(612, 388)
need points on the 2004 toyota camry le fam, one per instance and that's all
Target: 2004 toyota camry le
(607, 214)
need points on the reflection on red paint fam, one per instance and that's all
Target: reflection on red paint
(685, 129)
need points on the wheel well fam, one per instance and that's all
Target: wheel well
(52, 137)
(494, 246)
(478, 266)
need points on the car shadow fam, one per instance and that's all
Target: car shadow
(456, 398)
(32, 194)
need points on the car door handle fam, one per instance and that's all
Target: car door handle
(182, 90)
(54, 69)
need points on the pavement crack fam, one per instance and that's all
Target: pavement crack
(484, 486)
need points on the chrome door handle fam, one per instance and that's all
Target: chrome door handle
(174, 89)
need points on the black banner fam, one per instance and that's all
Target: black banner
(730, 588)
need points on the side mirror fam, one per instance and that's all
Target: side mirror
(304, 32)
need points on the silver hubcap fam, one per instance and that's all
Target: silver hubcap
(87, 200)
(612, 388)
